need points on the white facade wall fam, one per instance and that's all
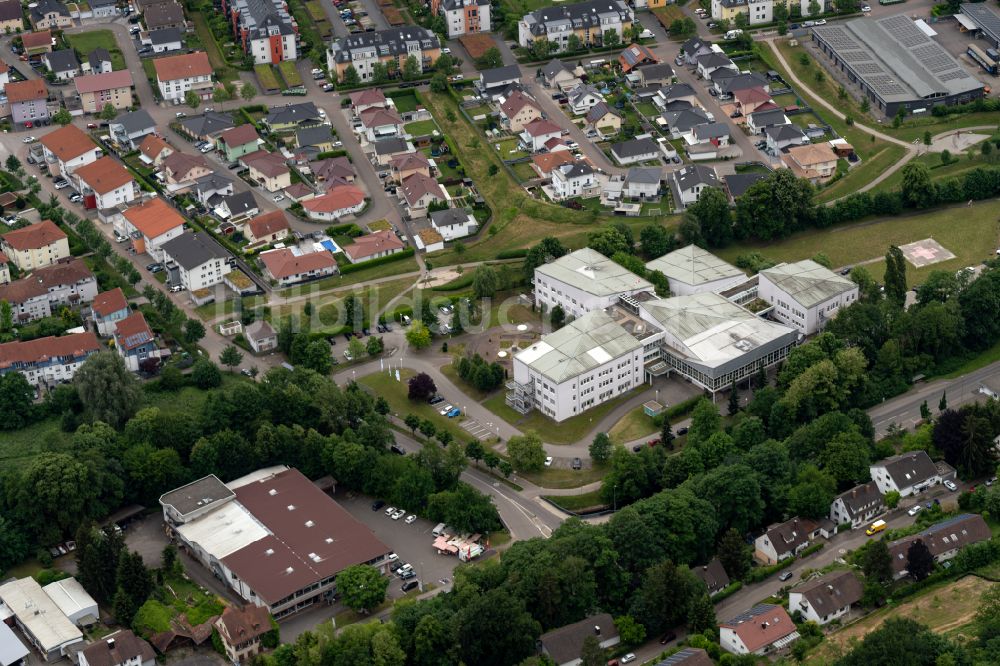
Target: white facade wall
(730, 642)
(585, 391)
(51, 374)
(678, 288)
(260, 49)
(761, 11)
(550, 292)
(886, 484)
(450, 232)
(566, 188)
(123, 194)
(173, 91)
(807, 320)
(455, 20)
(207, 275)
(798, 602)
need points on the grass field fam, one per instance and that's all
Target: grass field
(289, 73)
(86, 42)
(223, 72)
(959, 165)
(668, 14)
(947, 609)
(634, 425)
(563, 477)
(420, 127)
(267, 77)
(970, 233)
(315, 9)
(888, 155)
(582, 502)
(405, 103)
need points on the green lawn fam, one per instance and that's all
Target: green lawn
(85, 42)
(223, 72)
(958, 166)
(508, 149)
(289, 73)
(570, 431)
(968, 232)
(634, 425)
(859, 176)
(420, 127)
(177, 595)
(564, 477)
(405, 103)
(315, 9)
(583, 502)
(267, 77)
(524, 172)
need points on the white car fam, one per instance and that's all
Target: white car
(820, 22)
(279, 197)
(180, 114)
(444, 410)
(548, 461)
(393, 557)
(29, 139)
(410, 519)
(866, 9)
(988, 392)
(629, 658)
(915, 509)
(60, 184)
(206, 149)
(399, 514)
(446, 50)
(391, 510)
(950, 485)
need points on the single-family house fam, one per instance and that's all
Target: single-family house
(583, 98)
(686, 656)
(386, 149)
(268, 169)
(47, 14)
(738, 183)
(207, 126)
(635, 56)
(63, 64)
(291, 117)
(419, 192)
(636, 150)
(537, 132)
(153, 150)
(131, 128)
(779, 137)
(908, 473)
(35, 245)
(177, 75)
(11, 16)
(373, 245)
(716, 134)
(38, 42)
(195, 261)
(166, 14)
(826, 598)
(643, 182)
(713, 575)
(134, 340)
(710, 62)
(556, 72)
(105, 184)
(762, 629)
(748, 100)
(944, 540)
(677, 92)
(318, 137)
(119, 648)
(816, 162)
(403, 166)
(67, 149)
(453, 223)
(682, 118)
(758, 122)
(858, 506)
(150, 225)
(689, 182)
(783, 540)
(98, 62)
(377, 124)
(492, 81)
(694, 48)
(235, 207)
(564, 645)
(238, 141)
(267, 228)
(574, 180)
(333, 171)
(165, 40)
(107, 309)
(517, 110)
(339, 201)
(97, 91)
(212, 188)
(659, 74)
(287, 267)
(727, 85)
(545, 163)
(241, 629)
(181, 170)
(260, 336)
(369, 98)
(604, 119)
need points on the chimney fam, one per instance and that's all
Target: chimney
(763, 625)
(111, 644)
(597, 629)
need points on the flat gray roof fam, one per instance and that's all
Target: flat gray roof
(584, 344)
(984, 17)
(592, 272)
(807, 282)
(196, 494)
(693, 265)
(896, 59)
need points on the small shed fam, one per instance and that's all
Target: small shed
(652, 408)
(73, 601)
(230, 328)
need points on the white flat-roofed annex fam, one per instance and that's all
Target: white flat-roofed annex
(223, 531)
(592, 272)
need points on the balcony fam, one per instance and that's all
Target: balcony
(521, 397)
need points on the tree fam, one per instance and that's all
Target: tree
(194, 331)
(656, 241)
(713, 216)
(667, 434)
(361, 587)
(16, 396)
(734, 554)
(108, 112)
(557, 317)
(108, 391)
(205, 374)
(895, 276)
(610, 38)
(231, 357)
(898, 640)
(591, 652)
(351, 77)
(439, 83)
(945, 156)
(600, 448)
(411, 68)
(134, 580)
(374, 345)
(315, 356)
(192, 99)
(812, 495)
(421, 387)
(484, 282)
(355, 348)
(419, 336)
(526, 452)
(943, 403)
(490, 60)
(248, 91)
(734, 400)
(62, 117)
(544, 251)
(919, 561)
(474, 449)
(701, 615)
(705, 421)
(774, 207)
(876, 562)
(495, 629)
(13, 164)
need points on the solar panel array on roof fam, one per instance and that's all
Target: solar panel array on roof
(985, 18)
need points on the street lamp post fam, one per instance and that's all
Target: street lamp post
(614, 498)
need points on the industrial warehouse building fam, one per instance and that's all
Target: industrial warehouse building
(982, 17)
(896, 64)
(276, 538)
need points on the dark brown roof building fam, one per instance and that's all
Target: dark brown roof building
(944, 540)
(827, 597)
(122, 648)
(563, 645)
(713, 575)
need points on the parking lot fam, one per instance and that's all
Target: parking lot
(478, 430)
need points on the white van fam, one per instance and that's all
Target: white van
(439, 530)
(733, 34)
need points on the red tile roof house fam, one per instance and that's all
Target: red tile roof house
(150, 225)
(537, 132)
(333, 168)
(108, 308)
(180, 170)
(27, 101)
(37, 42)
(122, 648)
(48, 361)
(267, 228)
(35, 245)
(405, 165)
(370, 98)
(66, 283)
(783, 540)
(762, 629)
(98, 90)
(420, 191)
(105, 184)
(339, 201)
(268, 169)
(373, 246)
(287, 268)
(176, 75)
(134, 340)
(68, 148)
(381, 123)
(517, 110)
(241, 630)
(153, 150)
(238, 141)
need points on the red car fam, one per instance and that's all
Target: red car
(91, 125)
(28, 124)
(653, 442)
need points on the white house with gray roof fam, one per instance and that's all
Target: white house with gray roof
(583, 98)
(196, 261)
(689, 182)
(907, 474)
(826, 598)
(574, 180)
(784, 136)
(131, 128)
(692, 270)
(636, 150)
(806, 295)
(643, 182)
(583, 281)
(758, 123)
(499, 78)
(556, 72)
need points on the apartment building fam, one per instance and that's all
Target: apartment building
(48, 361)
(587, 20)
(105, 184)
(150, 225)
(265, 29)
(195, 261)
(98, 90)
(463, 17)
(176, 75)
(67, 149)
(43, 293)
(35, 246)
(363, 50)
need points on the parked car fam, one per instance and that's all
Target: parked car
(398, 514)
(409, 573)
(577, 463)
(669, 636)
(410, 519)
(915, 509)
(391, 510)
(279, 197)
(76, 198)
(60, 183)
(176, 288)
(180, 114)
(629, 658)
(410, 584)
(447, 408)
(548, 461)
(682, 431)
(246, 372)
(435, 399)
(950, 485)
(452, 413)
(785, 575)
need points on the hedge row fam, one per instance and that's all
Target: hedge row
(371, 263)
(513, 254)
(463, 282)
(728, 591)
